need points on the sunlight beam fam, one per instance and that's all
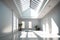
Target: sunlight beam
(7, 29)
(55, 29)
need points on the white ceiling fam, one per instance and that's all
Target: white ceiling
(17, 8)
(31, 5)
(51, 4)
(47, 7)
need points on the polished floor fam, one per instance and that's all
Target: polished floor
(34, 35)
(31, 35)
(27, 35)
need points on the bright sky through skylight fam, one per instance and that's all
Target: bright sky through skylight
(33, 5)
(25, 4)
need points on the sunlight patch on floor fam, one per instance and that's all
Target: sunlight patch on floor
(39, 33)
(28, 34)
(31, 35)
(23, 34)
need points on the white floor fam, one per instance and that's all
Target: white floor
(31, 35)
(25, 36)
(34, 35)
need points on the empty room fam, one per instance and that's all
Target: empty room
(29, 19)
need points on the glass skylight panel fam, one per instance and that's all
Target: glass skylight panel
(31, 7)
(25, 4)
(34, 3)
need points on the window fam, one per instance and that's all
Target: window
(44, 29)
(30, 24)
(30, 6)
(47, 27)
(15, 23)
(23, 24)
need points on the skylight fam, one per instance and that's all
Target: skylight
(30, 8)
(25, 4)
(33, 4)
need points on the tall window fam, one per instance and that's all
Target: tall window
(44, 29)
(30, 24)
(23, 24)
(15, 23)
(47, 27)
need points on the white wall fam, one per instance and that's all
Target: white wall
(34, 22)
(53, 15)
(6, 22)
(6, 19)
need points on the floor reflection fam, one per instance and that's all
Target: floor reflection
(24, 36)
(32, 35)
